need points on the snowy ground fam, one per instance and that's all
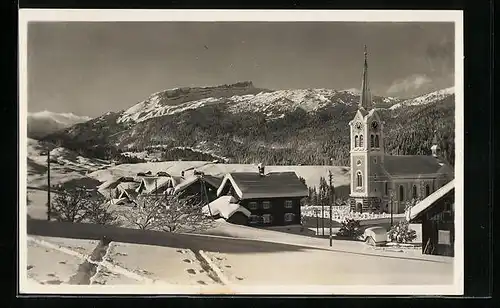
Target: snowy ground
(54, 260)
(65, 165)
(313, 267)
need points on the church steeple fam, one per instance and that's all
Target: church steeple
(365, 99)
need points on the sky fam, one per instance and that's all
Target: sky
(92, 68)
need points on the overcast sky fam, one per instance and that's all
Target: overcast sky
(93, 68)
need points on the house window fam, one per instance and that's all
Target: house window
(401, 193)
(361, 141)
(253, 205)
(359, 179)
(289, 217)
(356, 141)
(386, 189)
(372, 141)
(377, 144)
(427, 190)
(266, 205)
(254, 219)
(414, 192)
(267, 218)
(288, 204)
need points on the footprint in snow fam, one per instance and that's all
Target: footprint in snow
(62, 262)
(201, 282)
(191, 271)
(187, 261)
(239, 278)
(228, 266)
(29, 267)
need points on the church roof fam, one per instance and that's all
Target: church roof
(401, 165)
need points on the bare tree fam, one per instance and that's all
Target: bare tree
(98, 211)
(70, 205)
(166, 213)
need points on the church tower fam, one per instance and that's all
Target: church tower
(368, 182)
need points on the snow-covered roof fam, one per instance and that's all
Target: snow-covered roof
(225, 206)
(186, 183)
(429, 201)
(150, 184)
(251, 185)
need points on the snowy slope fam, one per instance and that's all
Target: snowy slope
(272, 103)
(45, 122)
(426, 99)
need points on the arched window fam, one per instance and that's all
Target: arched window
(359, 179)
(414, 192)
(356, 141)
(361, 140)
(427, 190)
(377, 145)
(401, 193)
(372, 141)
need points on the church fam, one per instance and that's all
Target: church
(382, 182)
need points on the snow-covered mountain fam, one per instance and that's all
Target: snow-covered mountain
(242, 123)
(46, 122)
(426, 98)
(238, 98)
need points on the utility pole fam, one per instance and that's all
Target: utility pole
(48, 185)
(317, 221)
(391, 195)
(331, 193)
(322, 211)
(156, 189)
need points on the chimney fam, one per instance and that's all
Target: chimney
(261, 169)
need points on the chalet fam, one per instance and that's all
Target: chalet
(198, 185)
(156, 185)
(436, 213)
(227, 207)
(273, 199)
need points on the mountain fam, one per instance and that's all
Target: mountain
(426, 99)
(242, 124)
(43, 123)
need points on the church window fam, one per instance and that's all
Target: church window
(372, 141)
(401, 193)
(377, 144)
(414, 192)
(361, 140)
(356, 141)
(427, 190)
(359, 179)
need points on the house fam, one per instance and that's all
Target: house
(155, 185)
(193, 185)
(227, 207)
(436, 214)
(273, 199)
(382, 182)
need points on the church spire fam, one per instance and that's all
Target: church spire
(365, 99)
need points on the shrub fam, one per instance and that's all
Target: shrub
(350, 228)
(401, 233)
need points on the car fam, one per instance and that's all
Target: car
(375, 236)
